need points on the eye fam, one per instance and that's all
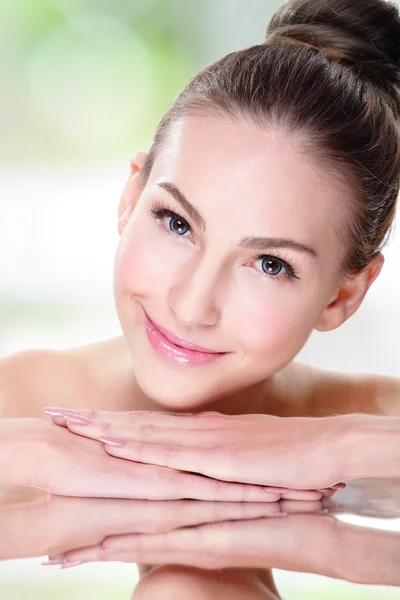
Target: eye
(171, 221)
(275, 268)
(271, 265)
(178, 225)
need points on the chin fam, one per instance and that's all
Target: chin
(175, 395)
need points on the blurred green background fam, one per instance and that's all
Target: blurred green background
(84, 84)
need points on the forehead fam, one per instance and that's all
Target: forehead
(254, 177)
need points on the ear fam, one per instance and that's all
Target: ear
(349, 296)
(131, 192)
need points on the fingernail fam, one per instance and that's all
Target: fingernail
(111, 441)
(77, 419)
(56, 411)
(275, 490)
(73, 563)
(339, 486)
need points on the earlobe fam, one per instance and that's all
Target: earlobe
(349, 296)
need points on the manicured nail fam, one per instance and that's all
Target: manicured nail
(52, 561)
(275, 490)
(111, 441)
(57, 411)
(77, 419)
(73, 563)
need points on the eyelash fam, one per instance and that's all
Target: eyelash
(159, 211)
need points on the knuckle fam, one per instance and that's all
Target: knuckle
(146, 428)
(105, 427)
(217, 511)
(141, 450)
(140, 413)
(217, 488)
(170, 452)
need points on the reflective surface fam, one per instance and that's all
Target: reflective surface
(214, 538)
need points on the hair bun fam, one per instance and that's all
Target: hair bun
(365, 33)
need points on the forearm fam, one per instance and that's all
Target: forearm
(372, 446)
(18, 450)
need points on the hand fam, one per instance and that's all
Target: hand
(311, 543)
(297, 452)
(52, 525)
(34, 452)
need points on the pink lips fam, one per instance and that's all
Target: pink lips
(175, 349)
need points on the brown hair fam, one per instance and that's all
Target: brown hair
(328, 73)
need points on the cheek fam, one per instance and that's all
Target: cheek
(147, 262)
(276, 320)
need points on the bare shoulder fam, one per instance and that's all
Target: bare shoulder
(331, 392)
(34, 378)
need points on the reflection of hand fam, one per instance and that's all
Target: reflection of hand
(55, 524)
(310, 543)
(35, 453)
(258, 449)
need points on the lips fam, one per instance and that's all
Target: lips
(176, 350)
(183, 343)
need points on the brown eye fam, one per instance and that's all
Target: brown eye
(178, 225)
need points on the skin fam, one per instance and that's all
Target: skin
(208, 291)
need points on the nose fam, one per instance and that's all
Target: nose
(193, 297)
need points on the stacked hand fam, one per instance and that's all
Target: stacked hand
(250, 451)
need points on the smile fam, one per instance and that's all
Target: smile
(176, 350)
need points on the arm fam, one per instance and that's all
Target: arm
(371, 446)
(371, 434)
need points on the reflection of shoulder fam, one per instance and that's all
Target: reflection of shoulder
(336, 392)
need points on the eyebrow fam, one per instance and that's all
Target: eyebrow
(252, 243)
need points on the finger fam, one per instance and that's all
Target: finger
(137, 546)
(301, 506)
(352, 553)
(145, 432)
(191, 558)
(212, 462)
(310, 495)
(240, 543)
(160, 517)
(191, 420)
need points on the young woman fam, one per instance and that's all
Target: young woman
(257, 216)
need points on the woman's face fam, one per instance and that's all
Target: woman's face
(198, 257)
